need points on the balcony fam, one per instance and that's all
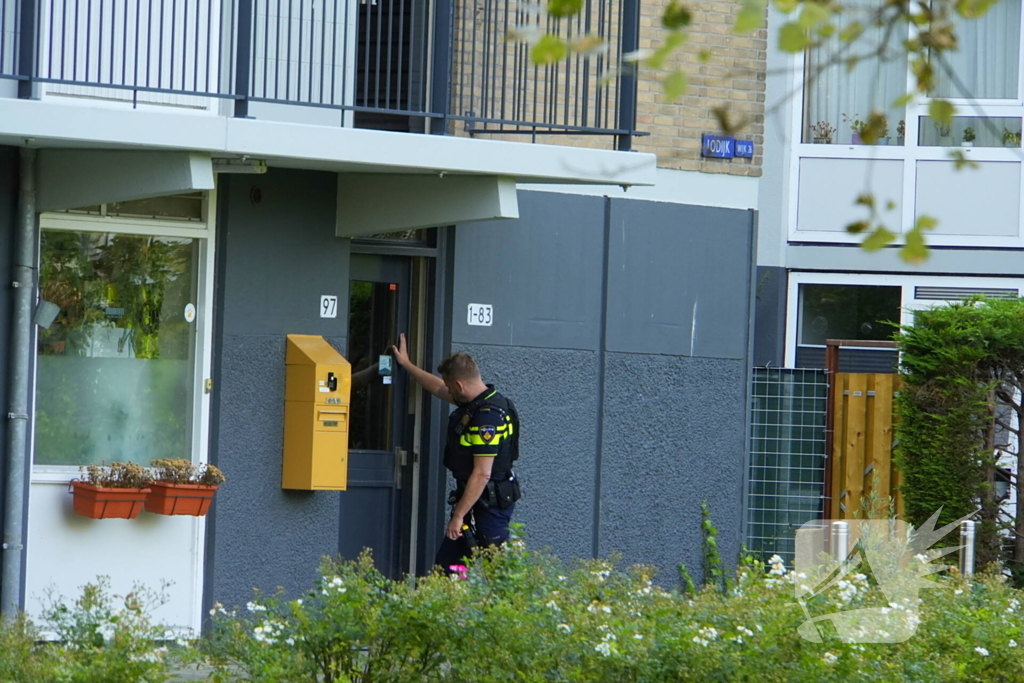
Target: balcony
(442, 67)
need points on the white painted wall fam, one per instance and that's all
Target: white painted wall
(66, 551)
(680, 187)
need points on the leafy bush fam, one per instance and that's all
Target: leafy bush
(103, 637)
(524, 616)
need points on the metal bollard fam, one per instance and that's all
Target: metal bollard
(967, 538)
(840, 540)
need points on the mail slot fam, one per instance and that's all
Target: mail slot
(318, 382)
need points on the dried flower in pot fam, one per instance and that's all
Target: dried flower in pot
(117, 490)
(181, 488)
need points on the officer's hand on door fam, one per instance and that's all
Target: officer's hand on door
(401, 352)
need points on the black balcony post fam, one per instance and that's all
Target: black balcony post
(243, 59)
(627, 75)
(27, 49)
(440, 68)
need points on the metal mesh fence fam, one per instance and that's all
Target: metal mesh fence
(787, 463)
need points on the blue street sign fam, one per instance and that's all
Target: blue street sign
(745, 149)
(718, 146)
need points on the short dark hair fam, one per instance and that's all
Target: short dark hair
(459, 366)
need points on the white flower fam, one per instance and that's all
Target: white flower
(553, 606)
(603, 574)
(923, 558)
(709, 633)
(604, 648)
(758, 627)
(981, 651)
(830, 658)
(745, 631)
(640, 636)
(700, 641)
(336, 581)
(565, 628)
(563, 578)
(218, 609)
(606, 609)
(1012, 643)
(299, 602)
(255, 607)
(958, 591)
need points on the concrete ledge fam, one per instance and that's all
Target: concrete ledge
(52, 124)
(73, 178)
(370, 204)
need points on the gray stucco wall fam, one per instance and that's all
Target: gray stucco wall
(631, 383)
(275, 258)
(770, 317)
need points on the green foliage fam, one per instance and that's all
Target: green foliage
(523, 616)
(714, 574)
(103, 637)
(960, 362)
(22, 658)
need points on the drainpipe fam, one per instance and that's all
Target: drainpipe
(16, 492)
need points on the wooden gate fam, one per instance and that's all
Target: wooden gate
(862, 436)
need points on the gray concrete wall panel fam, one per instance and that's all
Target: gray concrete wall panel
(555, 392)
(678, 279)
(283, 254)
(770, 316)
(673, 436)
(541, 272)
(278, 256)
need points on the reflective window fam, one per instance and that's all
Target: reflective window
(372, 325)
(847, 312)
(116, 368)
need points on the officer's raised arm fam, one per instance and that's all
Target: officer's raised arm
(427, 380)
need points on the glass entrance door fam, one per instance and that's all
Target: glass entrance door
(374, 510)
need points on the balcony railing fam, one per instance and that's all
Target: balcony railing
(437, 66)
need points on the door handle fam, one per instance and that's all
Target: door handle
(401, 459)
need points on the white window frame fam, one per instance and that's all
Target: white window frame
(907, 302)
(909, 153)
(203, 234)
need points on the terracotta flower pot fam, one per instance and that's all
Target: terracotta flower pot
(104, 503)
(179, 499)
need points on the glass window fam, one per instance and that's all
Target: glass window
(970, 131)
(116, 368)
(987, 61)
(847, 312)
(840, 99)
(372, 325)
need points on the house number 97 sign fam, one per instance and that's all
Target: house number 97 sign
(481, 314)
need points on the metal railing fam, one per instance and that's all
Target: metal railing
(787, 457)
(440, 66)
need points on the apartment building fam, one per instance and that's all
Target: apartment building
(815, 282)
(189, 182)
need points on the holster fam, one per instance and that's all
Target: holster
(500, 493)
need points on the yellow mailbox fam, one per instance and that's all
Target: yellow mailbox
(318, 382)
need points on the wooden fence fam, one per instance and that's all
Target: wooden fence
(862, 440)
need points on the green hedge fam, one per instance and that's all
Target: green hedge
(523, 616)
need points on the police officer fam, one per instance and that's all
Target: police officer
(482, 443)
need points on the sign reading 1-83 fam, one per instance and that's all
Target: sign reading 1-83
(481, 314)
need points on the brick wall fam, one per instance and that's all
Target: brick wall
(734, 77)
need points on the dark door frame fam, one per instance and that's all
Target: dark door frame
(438, 262)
